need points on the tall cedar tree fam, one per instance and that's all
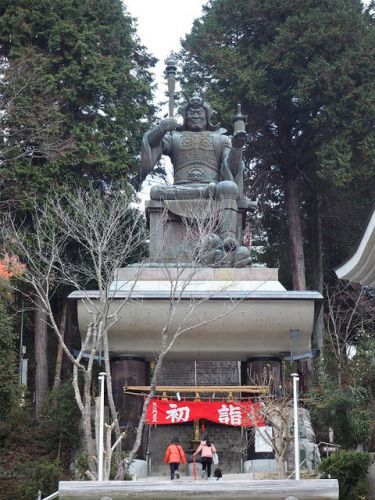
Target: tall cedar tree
(304, 73)
(85, 84)
(8, 365)
(97, 73)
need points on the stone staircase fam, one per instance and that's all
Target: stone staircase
(305, 474)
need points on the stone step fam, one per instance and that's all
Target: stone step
(323, 489)
(304, 474)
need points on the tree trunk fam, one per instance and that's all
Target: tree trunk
(317, 265)
(41, 365)
(295, 234)
(297, 260)
(70, 332)
(280, 467)
(339, 373)
(280, 450)
(60, 350)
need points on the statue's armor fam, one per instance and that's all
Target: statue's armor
(195, 156)
(206, 167)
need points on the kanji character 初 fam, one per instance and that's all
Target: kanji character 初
(176, 414)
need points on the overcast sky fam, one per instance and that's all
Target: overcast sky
(161, 24)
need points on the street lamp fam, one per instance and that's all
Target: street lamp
(295, 416)
(101, 378)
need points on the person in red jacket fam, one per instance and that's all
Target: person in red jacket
(174, 456)
(207, 449)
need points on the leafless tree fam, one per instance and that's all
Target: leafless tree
(77, 240)
(277, 412)
(82, 239)
(350, 310)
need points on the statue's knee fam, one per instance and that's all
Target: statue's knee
(227, 189)
(157, 192)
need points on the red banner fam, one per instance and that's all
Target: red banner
(162, 412)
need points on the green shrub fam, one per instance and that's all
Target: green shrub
(361, 490)
(60, 417)
(343, 409)
(81, 465)
(350, 469)
(43, 475)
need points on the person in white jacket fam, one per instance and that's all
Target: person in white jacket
(206, 449)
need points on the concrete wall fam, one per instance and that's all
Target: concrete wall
(227, 441)
(207, 373)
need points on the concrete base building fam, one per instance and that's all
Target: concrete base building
(238, 321)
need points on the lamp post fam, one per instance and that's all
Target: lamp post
(101, 378)
(296, 432)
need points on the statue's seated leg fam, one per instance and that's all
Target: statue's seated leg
(227, 193)
(182, 192)
(161, 192)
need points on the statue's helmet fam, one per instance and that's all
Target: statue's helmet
(197, 101)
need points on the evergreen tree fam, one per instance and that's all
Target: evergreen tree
(97, 74)
(75, 98)
(8, 362)
(304, 74)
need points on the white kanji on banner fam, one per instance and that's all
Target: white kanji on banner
(176, 414)
(154, 407)
(230, 415)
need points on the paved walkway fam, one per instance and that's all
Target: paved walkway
(184, 478)
(230, 487)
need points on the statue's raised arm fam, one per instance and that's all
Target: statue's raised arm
(152, 145)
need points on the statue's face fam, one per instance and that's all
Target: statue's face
(196, 119)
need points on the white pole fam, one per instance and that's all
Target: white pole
(101, 427)
(295, 416)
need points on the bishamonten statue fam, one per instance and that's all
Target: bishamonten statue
(207, 164)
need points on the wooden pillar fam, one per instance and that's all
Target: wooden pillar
(264, 370)
(128, 370)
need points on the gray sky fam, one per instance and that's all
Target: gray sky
(161, 24)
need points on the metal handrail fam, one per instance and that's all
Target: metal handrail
(293, 473)
(50, 497)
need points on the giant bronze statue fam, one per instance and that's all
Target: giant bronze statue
(207, 165)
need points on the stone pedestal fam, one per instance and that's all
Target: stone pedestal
(166, 226)
(128, 370)
(226, 488)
